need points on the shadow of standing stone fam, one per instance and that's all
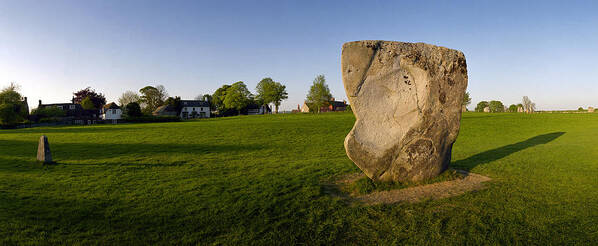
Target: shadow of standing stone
(43, 150)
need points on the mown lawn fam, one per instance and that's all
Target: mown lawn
(262, 180)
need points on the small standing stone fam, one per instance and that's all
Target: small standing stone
(43, 150)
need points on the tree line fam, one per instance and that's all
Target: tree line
(229, 99)
(495, 106)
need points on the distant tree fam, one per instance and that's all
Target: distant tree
(133, 109)
(580, 109)
(237, 96)
(269, 91)
(87, 104)
(152, 97)
(513, 108)
(8, 115)
(318, 95)
(174, 102)
(348, 109)
(481, 105)
(218, 98)
(528, 105)
(12, 108)
(128, 97)
(10, 94)
(496, 106)
(98, 99)
(206, 98)
(466, 99)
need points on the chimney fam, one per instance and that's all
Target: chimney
(40, 102)
(73, 100)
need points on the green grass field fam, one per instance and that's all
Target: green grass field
(262, 180)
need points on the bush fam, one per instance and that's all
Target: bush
(151, 119)
(481, 105)
(48, 112)
(496, 106)
(50, 120)
(513, 108)
(9, 116)
(133, 110)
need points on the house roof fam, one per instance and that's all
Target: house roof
(194, 103)
(165, 108)
(57, 104)
(111, 105)
(338, 104)
(257, 106)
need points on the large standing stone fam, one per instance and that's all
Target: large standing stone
(407, 100)
(43, 150)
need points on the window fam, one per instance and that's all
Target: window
(71, 106)
(60, 107)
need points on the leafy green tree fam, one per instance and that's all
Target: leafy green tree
(580, 109)
(152, 97)
(237, 96)
(218, 98)
(98, 99)
(318, 95)
(128, 97)
(10, 94)
(87, 104)
(133, 109)
(269, 91)
(175, 102)
(481, 105)
(13, 109)
(513, 108)
(8, 115)
(466, 99)
(496, 106)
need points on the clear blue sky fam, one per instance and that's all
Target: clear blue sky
(545, 50)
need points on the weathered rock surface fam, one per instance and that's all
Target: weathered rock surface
(43, 150)
(407, 100)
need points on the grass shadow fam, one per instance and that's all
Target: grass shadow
(78, 151)
(499, 153)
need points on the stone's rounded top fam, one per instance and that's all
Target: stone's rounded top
(375, 44)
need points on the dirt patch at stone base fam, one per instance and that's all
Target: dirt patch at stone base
(440, 190)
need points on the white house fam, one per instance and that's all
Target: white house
(112, 112)
(194, 109)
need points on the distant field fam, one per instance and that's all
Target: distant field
(260, 180)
